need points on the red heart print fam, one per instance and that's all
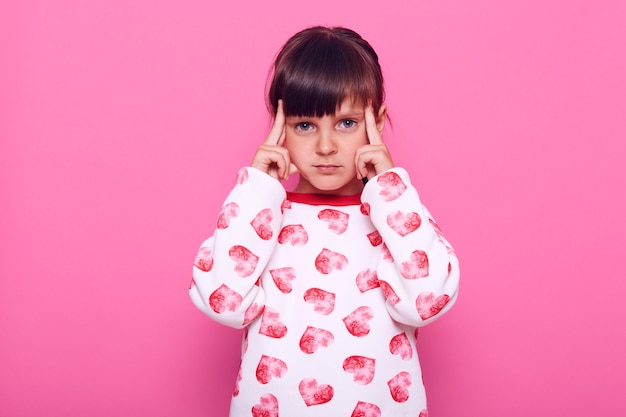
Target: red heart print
(224, 298)
(267, 408)
(362, 368)
(416, 266)
(403, 224)
(427, 305)
(204, 259)
(367, 280)
(387, 257)
(323, 301)
(399, 386)
(364, 409)
(313, 338)
(227, 212)
(365, 209)
(282, 278)
(357, 321)
(262, 224)
(271, 325)
(375, 238)
(285, 206)
(294, 234)
(423, 413)
(400, 345)
(391, 186)
(252, 313)
(314, 394)
(269, 367)
(389, 293)
(337, 220)
(245, 261)
(242, 176)
(327, 261)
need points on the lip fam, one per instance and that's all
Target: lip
(328, 168)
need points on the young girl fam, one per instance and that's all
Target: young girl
(330, 281)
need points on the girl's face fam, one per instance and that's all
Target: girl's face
(324, 149)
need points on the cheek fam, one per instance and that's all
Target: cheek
(357, 142)
(295, 149)
(360, 137)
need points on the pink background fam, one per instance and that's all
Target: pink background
(123, 123)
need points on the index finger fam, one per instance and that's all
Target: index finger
(277, 133)
(371, 128)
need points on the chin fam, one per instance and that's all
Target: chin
(330, 184)
(344, 188)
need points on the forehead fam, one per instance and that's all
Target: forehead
(350, 106)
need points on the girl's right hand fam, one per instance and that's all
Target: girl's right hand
(272, 157)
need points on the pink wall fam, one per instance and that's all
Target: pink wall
(123, 123)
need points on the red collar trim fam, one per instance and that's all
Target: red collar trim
(324, 199)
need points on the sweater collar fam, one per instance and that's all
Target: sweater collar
(324, 199)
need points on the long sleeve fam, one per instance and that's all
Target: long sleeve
(418, 270)
(227, 267)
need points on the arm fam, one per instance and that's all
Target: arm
(418, 270)
(228, 265)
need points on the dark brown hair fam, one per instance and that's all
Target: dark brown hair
(319, 67)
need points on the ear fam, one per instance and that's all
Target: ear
(380, 119)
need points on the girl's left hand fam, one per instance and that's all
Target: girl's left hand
(374, 158)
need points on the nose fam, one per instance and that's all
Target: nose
(325, 144)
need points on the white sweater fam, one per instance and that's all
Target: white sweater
(331, 291)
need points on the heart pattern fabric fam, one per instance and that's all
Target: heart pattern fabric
(357, 322)
(314, 393)
(330, 295)
(328, 261)
(267, 407)
(337, 220)
(269, 368)
(313, 338)
(323, 301)
(262, 224)
(361, 367)
(228, 212)
(399, 386)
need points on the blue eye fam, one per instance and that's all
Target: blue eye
(303, 126)
(347, 123)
